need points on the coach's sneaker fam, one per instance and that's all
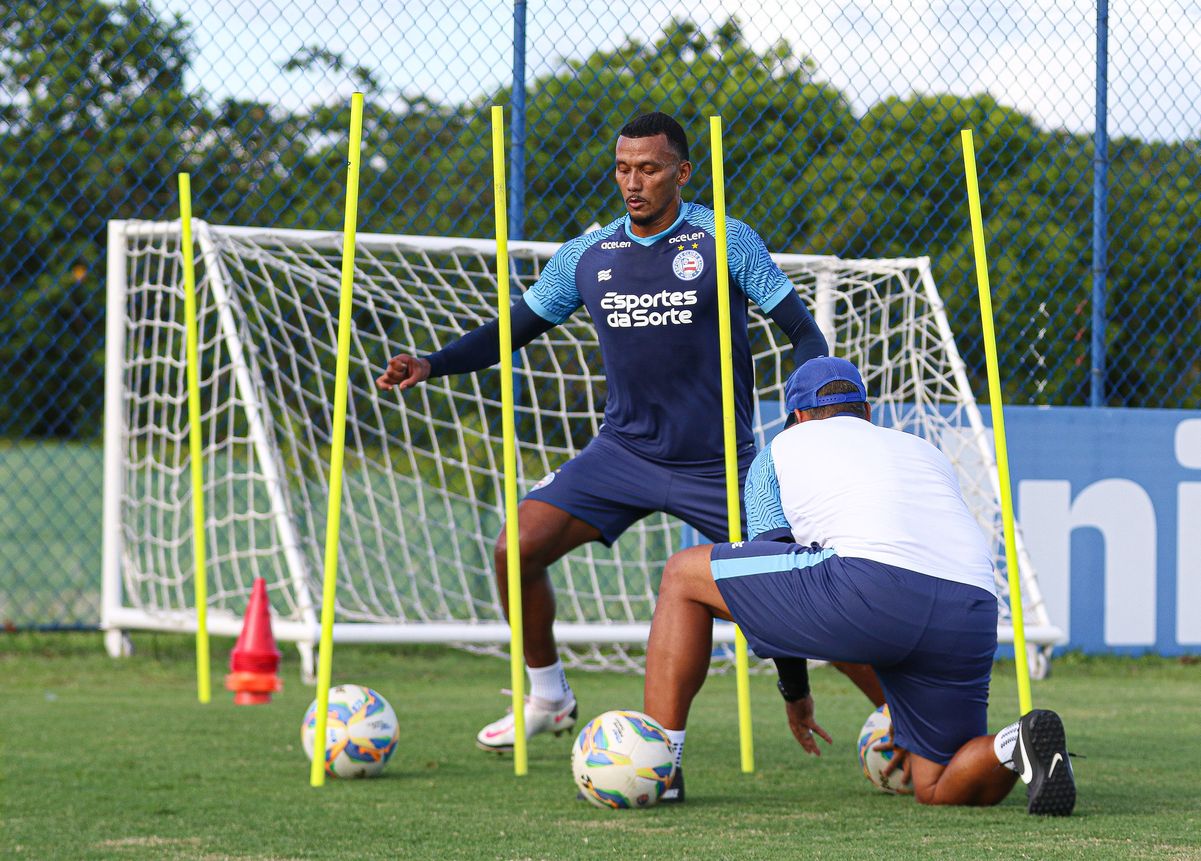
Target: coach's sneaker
(1041, 760)
(674, 794)
(540, 716)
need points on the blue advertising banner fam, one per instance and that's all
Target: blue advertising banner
(1109, 502)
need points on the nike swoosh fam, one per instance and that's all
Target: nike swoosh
(1027, 769)
(1055, 760)
(496, 732)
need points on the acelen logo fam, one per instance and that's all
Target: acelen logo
(635, 311)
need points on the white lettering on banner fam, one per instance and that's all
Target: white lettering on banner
(1188, 563)
(1188, 536)
(1042, 513)
(1188, 443)
(1125, 516)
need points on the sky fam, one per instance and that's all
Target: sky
(1036, 55)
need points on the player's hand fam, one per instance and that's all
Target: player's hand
(900, 759)
(804, 727)
(404, 372)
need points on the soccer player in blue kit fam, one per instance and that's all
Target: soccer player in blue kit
(648, 281)
(862, 550)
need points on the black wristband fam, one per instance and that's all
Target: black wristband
(794, 678)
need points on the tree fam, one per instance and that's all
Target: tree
(93, 117)
(896, 188)
(776, 115)
(1154, 284)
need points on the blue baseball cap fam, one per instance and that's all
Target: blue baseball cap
(802, 385)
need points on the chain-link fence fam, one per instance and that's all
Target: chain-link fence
(841, 120)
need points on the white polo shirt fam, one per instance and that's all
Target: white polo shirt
(868, 492)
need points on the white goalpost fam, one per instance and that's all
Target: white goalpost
(423, 485)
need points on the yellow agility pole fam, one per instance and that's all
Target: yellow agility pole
(509, 434)
(199, 578)
(998, 423)
(733, 498)
(333, 518)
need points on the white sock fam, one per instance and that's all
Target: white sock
(676, 737)
(549, 683)
(1003, 744)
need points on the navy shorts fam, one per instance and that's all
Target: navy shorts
(610, 487)
(931, 641)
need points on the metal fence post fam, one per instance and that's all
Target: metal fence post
(1100, 210)
(517, 154)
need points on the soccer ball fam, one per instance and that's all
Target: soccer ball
(622, 759)
(877, 729)
(360, 730)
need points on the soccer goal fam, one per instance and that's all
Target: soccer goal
(423, 486)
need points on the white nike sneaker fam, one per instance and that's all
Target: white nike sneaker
(540, 716)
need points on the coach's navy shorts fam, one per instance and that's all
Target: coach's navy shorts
(931, 641)
(611, 487)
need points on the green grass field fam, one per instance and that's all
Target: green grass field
(104, 759)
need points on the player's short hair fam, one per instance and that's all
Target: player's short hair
(658, 123)
(838, 387)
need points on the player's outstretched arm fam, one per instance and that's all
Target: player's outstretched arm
(763, 282)
(474, 351)
(403, 372)
(798, 324)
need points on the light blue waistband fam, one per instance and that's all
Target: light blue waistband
(750, 565)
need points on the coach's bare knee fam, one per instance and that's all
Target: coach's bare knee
(959, 795)
(927, 794)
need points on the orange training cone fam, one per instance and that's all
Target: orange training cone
(255, 659)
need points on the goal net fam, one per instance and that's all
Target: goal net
(423, 485)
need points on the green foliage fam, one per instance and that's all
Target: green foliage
(1155, 285)
(94, 113)
(776, 117)
(1039, 268)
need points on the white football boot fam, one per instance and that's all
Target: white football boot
(540, 716)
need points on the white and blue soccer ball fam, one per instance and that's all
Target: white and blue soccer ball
(621, 760)
(877, 729)
(361, 732)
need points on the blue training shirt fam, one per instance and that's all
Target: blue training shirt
(654, 303)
